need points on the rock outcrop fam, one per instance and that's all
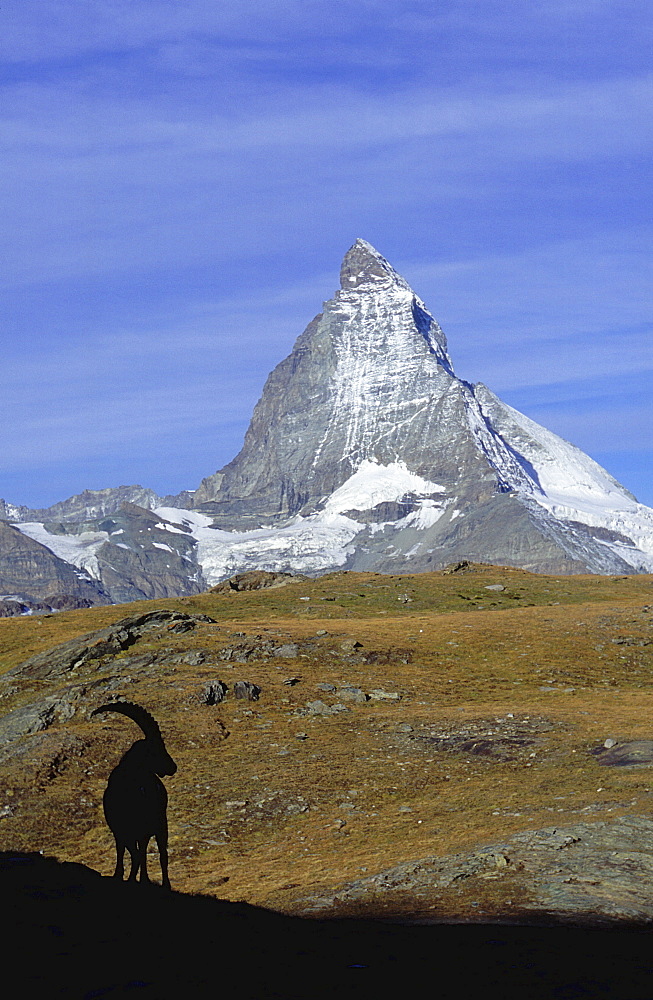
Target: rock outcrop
(593, 873)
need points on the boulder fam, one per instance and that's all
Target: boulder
(213, 693)
(354, 694)
(255, 579)
(378, 694)
(247, 690)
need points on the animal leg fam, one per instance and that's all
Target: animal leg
(135, 865)
(120, 855)
(142, 850)
(162, 844)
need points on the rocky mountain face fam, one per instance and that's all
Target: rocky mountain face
(93, 503)
(133, 553)
(369, 378)
(365, 452)
(83, 506)
(32, 573)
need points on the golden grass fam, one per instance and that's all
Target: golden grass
(477, 656)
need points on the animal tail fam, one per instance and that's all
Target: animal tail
(139, 715)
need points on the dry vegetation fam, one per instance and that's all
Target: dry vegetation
(503, 696)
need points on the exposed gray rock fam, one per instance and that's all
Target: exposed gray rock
(59, 661)
(370, 380)
(144, 556)
(289, 650)
(258, 648)
(351, 645)
(247, 690)
(628, 754)
(180, 627)
(68, 602)
(26, 720)
(369, 383)
(11, 609)
(378, 694)
(43, 751)
(182, 501)
(194, 657)
(33, 572)
(254, 580)
(213, 693)
(58, 707)
(494, 739)
(598, 873)
(136, 554)
(319, 707)
(385, 512)
(239, 654)
(464, 566)
(12, 511)
(85, 506)
(353, 694)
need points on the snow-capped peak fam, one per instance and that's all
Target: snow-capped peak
(364, 265)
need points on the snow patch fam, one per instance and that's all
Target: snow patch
(78, 550)
(569, 484)
(373, 483)
(304, 545)
(189, 518)
(427, 514)
(309, 544)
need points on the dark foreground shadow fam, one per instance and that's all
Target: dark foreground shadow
(68, 932)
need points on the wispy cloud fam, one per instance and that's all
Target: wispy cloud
(93, 183)
(180, 182)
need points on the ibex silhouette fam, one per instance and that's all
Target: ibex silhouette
(136, 800)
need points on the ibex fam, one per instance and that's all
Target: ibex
(135, 800)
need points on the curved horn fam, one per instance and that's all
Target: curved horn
(139, 715)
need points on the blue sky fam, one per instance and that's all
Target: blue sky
(181, 181)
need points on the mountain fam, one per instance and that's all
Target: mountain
(32, 574)
(365, 452)
(91, 504)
